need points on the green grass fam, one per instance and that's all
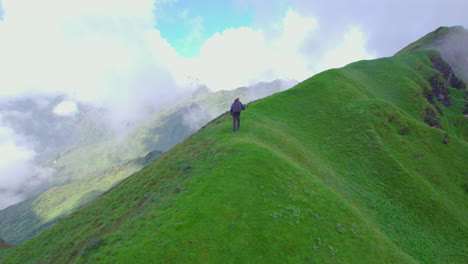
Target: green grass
(339, 169)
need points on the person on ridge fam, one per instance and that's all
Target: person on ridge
(236, 109)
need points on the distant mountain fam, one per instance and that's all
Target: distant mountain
(84, 172)
(361, 164)
(451, 42)
(34, 118)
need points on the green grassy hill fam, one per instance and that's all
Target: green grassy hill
(363, 164)
(85, 171)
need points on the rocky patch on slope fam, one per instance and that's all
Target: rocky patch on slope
(439, 82)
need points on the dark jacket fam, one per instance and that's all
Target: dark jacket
(242, 107)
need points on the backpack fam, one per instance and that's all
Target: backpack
(236, 107)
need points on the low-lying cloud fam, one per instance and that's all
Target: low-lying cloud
(66, 108)
(197, 116)
(20, 177)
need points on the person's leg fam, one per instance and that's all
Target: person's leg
(238, 122)
(234, 121)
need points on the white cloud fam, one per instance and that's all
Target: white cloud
(19, 176)
(350, 49)
(241, 56)
(232, 58)
(108, 53)
(99, 52)
(197, 116)
(66, 108)
(296, 28)
(291, 62)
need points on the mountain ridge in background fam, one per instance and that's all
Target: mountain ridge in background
(361, 164)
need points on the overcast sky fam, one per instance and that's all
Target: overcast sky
(128, 54)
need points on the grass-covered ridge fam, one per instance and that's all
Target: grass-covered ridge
(340, 169)
(451, 42)
(86, 171)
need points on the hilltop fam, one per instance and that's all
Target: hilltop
(451, 42)
(362, 164)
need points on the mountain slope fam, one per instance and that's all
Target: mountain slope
(85, 171)
(343, 168)
(451, 42)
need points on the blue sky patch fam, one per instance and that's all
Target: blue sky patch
(188, 24)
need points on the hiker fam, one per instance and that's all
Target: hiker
(236, 109)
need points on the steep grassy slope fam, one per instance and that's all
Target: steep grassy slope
(339, 169)
(85, 172)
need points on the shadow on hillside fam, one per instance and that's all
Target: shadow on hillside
(16, 229)
(87, 198)
(173, 132)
